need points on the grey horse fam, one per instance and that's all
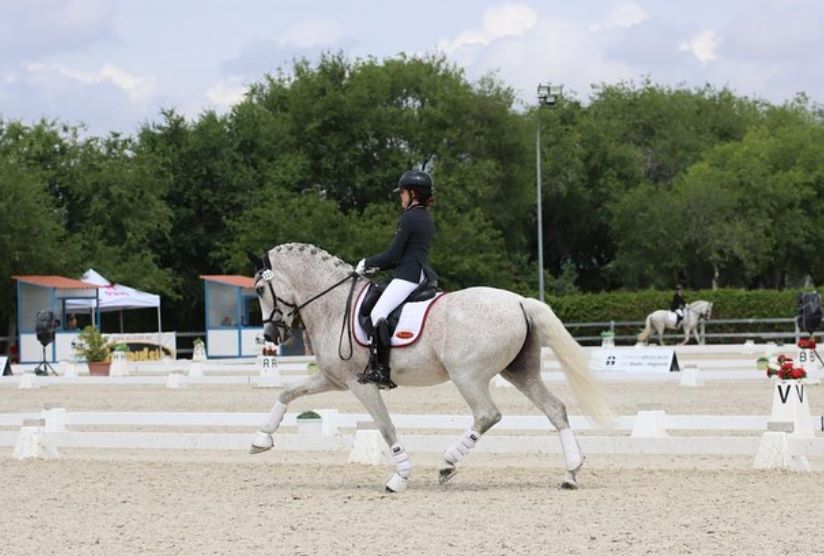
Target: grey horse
(657, 321)
(471, 335)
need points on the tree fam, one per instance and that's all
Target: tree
(31, 235)
(119, 214)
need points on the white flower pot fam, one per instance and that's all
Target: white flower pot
(309, 426)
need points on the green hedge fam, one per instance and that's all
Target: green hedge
(727, 304)
(635, 306)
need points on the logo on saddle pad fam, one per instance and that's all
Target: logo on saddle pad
(410, 317)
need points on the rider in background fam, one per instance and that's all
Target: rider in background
(409, 257)
(678, 304)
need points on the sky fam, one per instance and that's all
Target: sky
(113, 65)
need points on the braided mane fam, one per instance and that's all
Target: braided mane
(312, 250)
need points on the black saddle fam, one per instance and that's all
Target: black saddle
(426, 290)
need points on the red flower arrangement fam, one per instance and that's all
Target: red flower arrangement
(806, 343)
(785, 369)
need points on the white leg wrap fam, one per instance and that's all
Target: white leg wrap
(572, 452)
(457, 451)
(403, 466)
(275, 417)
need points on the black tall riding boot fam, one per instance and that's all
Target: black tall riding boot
(379, 371)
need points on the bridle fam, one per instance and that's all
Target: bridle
(282, 330)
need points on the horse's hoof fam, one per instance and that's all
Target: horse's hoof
(446, 473)
(396, 483)
(570, 482)
(262, 442)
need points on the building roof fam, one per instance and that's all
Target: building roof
(230, 280)
(52, 281)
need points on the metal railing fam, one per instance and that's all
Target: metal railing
(793, 333)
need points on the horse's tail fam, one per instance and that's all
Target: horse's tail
(644, 335)
(573, 359)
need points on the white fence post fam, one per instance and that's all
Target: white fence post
(329, 421)
(650, 424)
(32, 442)
(368, 446)
(54, 417)
(774, 450)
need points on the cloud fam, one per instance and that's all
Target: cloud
(624, 16)
(777, 33)
(559, 51)
(307, 34)
(226, 93)
(498, 22)
(305, 39)
(31, 28)
(138, 88)
(702, 46)
(76, 98)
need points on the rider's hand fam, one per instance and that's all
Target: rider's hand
(360, 269)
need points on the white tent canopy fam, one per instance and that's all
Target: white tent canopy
(114, 297)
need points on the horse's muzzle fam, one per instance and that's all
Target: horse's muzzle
(275, 334)
(270, 333)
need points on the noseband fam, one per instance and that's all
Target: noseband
(282, 330)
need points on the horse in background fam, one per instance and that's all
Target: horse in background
(658, 321)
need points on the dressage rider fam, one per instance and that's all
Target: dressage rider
(409, 257)
(678, 305)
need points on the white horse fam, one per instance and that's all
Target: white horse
(471, 335)
(661, 319)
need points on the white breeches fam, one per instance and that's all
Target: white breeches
(394, 294)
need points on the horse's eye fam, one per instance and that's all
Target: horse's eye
(259, 290)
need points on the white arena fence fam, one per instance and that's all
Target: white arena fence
(650, 431)
(647, 432)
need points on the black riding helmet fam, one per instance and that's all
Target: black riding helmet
(415, 179)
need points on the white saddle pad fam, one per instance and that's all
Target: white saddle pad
(672, 318)
(410, 325)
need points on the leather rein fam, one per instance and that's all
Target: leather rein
(282, 329)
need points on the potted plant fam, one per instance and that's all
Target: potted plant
(309, 422)
(92, 346)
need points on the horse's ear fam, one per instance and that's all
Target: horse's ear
(265, 262)
(254, 259)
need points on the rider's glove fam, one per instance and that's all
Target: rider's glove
(360, 269)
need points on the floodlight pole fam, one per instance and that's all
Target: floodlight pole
(548, 95)
(540, 209)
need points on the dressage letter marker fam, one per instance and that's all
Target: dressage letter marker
(790, 404)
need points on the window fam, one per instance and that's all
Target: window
(251, 312)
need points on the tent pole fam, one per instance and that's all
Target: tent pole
(121, 321)
(160, 332)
